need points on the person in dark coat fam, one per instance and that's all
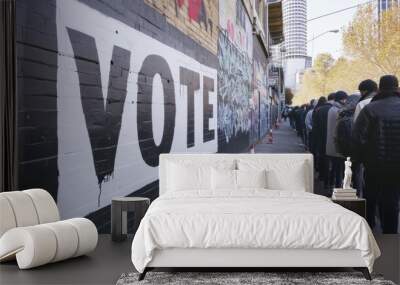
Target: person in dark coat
(320, 125)
(368, 89)
(298, 123)
(321, 101)
(376, 143)
(301, 121)
(336, 159)
(292, 117)
(308, 124)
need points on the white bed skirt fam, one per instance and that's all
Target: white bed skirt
(189, 257)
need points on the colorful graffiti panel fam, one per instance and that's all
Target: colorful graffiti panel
(234, 89)
(260, 92)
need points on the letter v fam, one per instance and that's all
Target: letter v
(103, 121)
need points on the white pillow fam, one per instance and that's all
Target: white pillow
(227, 179)
(186, 174)
(223, 179)
(182, 177)
(284, 174)
(251, 178)
(294, 180)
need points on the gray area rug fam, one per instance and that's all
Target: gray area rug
(273, 278)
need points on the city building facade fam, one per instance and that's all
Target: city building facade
(276, 82)
(295, 44)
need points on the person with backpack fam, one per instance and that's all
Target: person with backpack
(337, 160)
(344, 126)
(342, 138)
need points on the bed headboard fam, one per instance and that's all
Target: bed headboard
(215, 157)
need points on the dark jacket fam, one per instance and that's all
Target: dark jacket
(331, 128)
(320, 125)
(376, 134)
(344, 126)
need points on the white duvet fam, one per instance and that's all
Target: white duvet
(250, 219)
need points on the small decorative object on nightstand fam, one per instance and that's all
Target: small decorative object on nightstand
(346, 192)
(347, 196)
(348, 174)
(119, 208)
(357, 205)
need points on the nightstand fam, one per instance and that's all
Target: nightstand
(119, 208)
(357, 205)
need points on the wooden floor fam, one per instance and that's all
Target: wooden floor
(110, 260)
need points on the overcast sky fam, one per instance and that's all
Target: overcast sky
(330, 42)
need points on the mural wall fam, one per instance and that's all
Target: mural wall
(261, 123)
(106, 86)
(235, 75)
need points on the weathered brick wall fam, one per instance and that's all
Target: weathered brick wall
(104, 87)
(196, 19)
(37, 94)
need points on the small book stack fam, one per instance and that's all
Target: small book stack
(344, 194)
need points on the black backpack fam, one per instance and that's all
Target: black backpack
(344, 127)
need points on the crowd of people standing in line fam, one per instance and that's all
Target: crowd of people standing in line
(366, 127)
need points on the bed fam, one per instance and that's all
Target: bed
(246, 211)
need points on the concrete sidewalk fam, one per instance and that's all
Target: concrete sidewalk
(285, 140)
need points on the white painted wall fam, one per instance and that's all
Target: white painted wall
(78, 186)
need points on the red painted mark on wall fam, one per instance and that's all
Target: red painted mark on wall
(235, 34)
(196, 12)
(230, 28)
(194, 9)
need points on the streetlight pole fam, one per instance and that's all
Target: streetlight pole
(324, 33)
(318, 36)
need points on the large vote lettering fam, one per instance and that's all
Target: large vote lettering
(122, 101)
